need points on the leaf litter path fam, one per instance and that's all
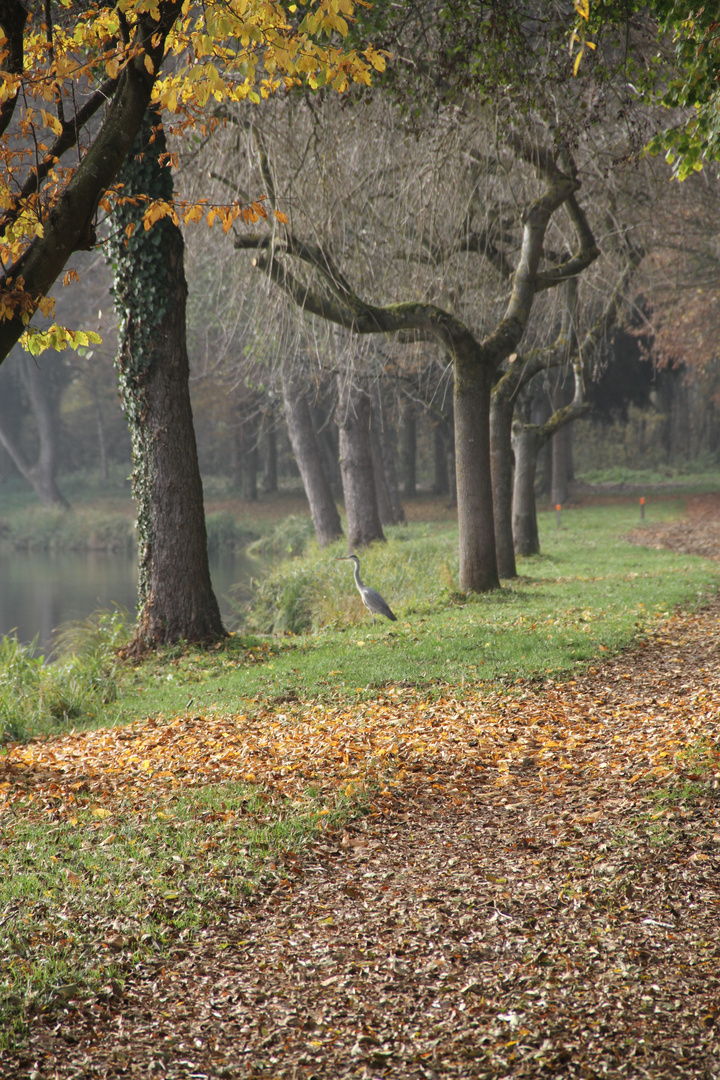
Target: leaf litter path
(517, 903)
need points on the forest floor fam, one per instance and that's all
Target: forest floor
(542, 898)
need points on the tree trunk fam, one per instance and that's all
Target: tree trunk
(247, 451)
(441, 483)
(309, 458)
(387, 448)
(526, 444)
(539, 414)
(356, 465)
(478, 563)
(560, 445)
(408, 449)
(382, 494)
(501, 457)
(327, 437)
(388, 457)
(452, 473)
(270, 479)
(176, 599)
(40, 475)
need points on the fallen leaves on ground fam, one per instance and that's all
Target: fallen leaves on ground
(534, 736)
(518, 902)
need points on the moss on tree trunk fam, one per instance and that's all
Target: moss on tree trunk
(176, 600)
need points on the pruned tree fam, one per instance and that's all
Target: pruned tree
(308, 272)
(580, 354)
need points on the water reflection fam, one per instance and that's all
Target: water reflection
(39, 590)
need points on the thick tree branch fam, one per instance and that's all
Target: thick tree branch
(13, 17)
(506, 336)
(64, 142)
(524, 368)
(70, 223)
(339, 303)
(586, 253)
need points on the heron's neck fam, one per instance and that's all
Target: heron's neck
(356, 571)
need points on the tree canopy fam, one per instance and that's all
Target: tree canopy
(77, 81)
(677, 67)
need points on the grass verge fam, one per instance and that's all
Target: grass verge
(87, 898)
(588, 595)
(81, 688)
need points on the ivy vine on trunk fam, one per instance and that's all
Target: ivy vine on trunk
(176, 600)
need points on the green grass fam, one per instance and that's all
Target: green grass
(685, 478)
(85, 898)
(586, 596)
(80, 688)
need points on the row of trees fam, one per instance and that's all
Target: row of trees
(475, 224)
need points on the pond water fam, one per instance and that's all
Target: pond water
(40, 590)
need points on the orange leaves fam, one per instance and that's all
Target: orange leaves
(226, 214)
(596, 730)
(156, 211)
(550, 739)
(193, 213)
(51, 121)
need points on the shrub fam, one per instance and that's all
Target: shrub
(38, 697)
(289, 537)
(416, 570)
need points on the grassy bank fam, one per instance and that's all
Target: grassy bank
(586, 596)
(101, 515)
(308, 635)
(50, 528)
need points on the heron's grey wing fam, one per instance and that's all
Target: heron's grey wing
(375, 603)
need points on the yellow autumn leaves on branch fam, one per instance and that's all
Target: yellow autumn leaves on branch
(577, 37)
(56, 61)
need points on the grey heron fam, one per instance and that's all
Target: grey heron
(372, 600)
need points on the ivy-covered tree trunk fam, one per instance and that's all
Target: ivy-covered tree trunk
(176, 600)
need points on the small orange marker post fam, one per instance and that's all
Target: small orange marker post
(642, 507)
(558, 508)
